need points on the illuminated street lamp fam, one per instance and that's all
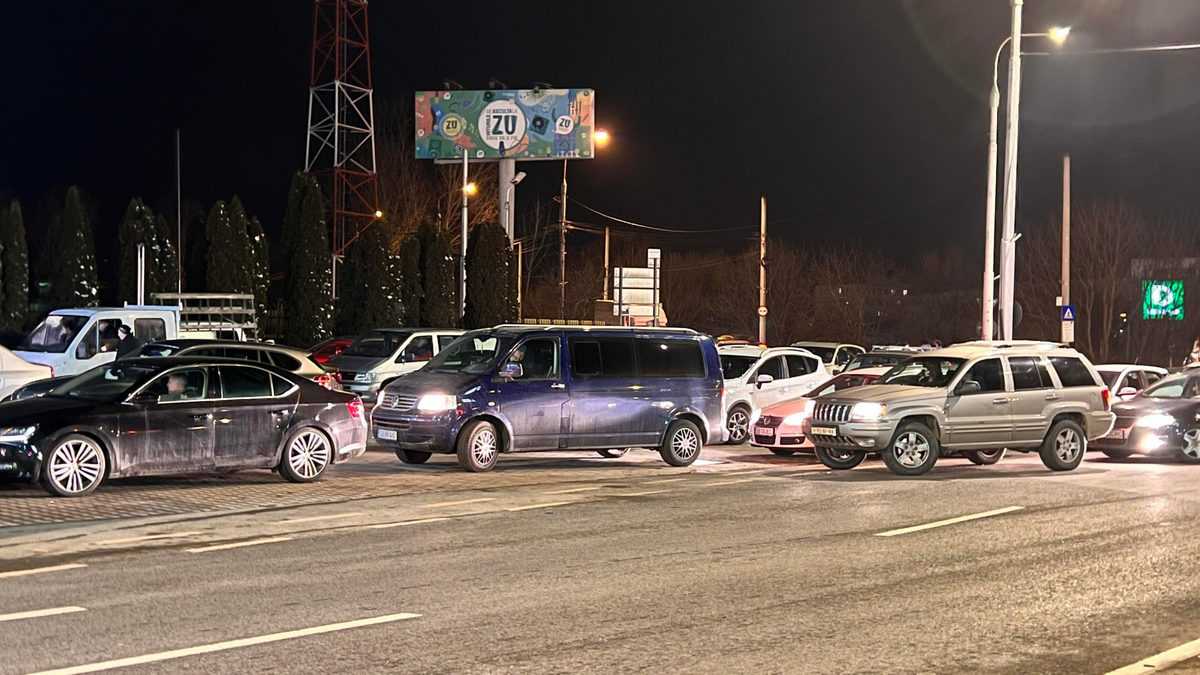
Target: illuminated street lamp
(600, 138)
(471, 189)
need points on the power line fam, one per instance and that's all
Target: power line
(655, 228)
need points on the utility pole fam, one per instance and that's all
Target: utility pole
(562, 247)
(178, 216)
(1068, 333)
(762, 272)
(462, 260)
(1008, 240)
(520, 314)
(605, 296)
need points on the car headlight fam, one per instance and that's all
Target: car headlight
(1154, 421)
(437, 403)
(17, 434)
(796, 419)
(867, 411)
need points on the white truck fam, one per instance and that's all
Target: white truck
(71, 341)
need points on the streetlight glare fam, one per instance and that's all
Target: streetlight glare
(601, 137)
(379, 214)
(1058, 34)
(471, 189)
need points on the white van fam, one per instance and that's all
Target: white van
(381, 355)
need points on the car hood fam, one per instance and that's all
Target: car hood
(887, 393)
(43, 409)
(425, 381)
(49, 359)
(356, 364)
(785, 408)
(1145, 405)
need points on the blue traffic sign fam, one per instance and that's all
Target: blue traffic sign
(1067, 312)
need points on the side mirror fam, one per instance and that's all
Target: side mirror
(512, 371)
(763, 379)
(1127, 392)
(968, 387)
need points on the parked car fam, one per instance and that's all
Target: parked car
(1126, 381)
(528, 388)
(780, 427)
(974, 399)
(879, 358)
(292, 360)
(16, 372)
(756, 378)
(835, 354)
(382, 355)
(157, 416)
(324, 351)
(1162, 420)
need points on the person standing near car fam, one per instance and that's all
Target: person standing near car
(127, 342)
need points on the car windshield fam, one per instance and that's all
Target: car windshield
(377, 343)
(923, 371)
(111, 382)
(473, 353)
(54, 334)
(1179, 386)
(823, 353)
(1109, 377)
(733, 367)
(875, 361)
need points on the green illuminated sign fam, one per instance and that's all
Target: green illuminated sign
(1162, 300)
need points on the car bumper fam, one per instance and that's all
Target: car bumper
(869, 437)
(789, 437)
(415, 432)
(19, 461)
(1142, 441)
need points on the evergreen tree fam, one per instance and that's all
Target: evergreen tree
(197, 256)
(136, 228)
(370, 285)
(411, 288)
(166, 261)
(309, 305)
(230, 259)
(14, 266)
(439, 308)
(490, 292)
(261, 270)
(72, 277)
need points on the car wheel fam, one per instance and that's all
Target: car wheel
(413, 456)
(1117, 453)
(782, 452)
(681, 446)
(614, 453)
(74, 467)
(478, 446)
(839, 458)
(914, 450)
(306, 456)
(985, 457)
(1190, 452)
(738, 424)
(1064, 446)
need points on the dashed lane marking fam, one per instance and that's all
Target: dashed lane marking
(458, 503)
(148, 537)
(53, 611)
(949, 521)
(538, 506)
(384, 526)
(642, 494)
(41, 570)
(313, 519)
(1161, 661)
(240, 544)
(574, 490)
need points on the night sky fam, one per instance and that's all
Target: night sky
(862, 120)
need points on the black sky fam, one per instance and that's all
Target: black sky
(860, 119)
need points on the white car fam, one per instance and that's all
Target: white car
(16, 372)
(380, 356)
(1127, 380)
(756, 378)
(835, 354)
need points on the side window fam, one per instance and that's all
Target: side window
(616, 357)
(89, 345)
(1072, 372)
(280, 385)
(208, 351)
(1027, 374)
(772, 366)
(585, 358)
(419, 348)
(1133, 379)
(1151, 377)
(538, 358)
(988, 374)
(108, 334)
(185, 384)
(241, 382)
(149, 330)
(800, 365)
(843, 356)
(282, 360)
(445, 340)
(669, 358)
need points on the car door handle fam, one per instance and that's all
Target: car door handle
(281, 412)
(1051, 397)
(998, 401)
(202, 418)
(558, 385)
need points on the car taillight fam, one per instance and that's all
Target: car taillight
(1104, 394)
(355, 408)
(326, 380)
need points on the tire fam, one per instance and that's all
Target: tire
(782, 452)
(478, 446)
(613, 453)
(413, 456)
(1117, 453)
(913, 450)
(1190, 452)
(306, 456)
(839, 459)
(738, 424)
(682, 443)
(74, 467)
(1064, 447)
(985, 457)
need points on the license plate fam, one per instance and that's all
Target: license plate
(386, 434)
(824, 431)
(764, 431)
(1118, 434)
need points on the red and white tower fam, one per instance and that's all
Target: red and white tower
(340, 145)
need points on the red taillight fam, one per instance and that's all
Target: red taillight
(326, 380)
(1104, 394)
(355, 408)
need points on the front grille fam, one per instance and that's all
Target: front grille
(769, 421)
(398, 401)
(831, 412)
(347, 375)
(392, 424)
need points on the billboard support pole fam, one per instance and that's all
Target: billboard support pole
(562, 248)
(1066, 241)
(507, 194)
(462, 261)
(605, 262)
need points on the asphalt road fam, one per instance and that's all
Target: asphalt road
(750, 564)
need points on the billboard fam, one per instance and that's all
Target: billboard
(520, 124)
(1162, 300)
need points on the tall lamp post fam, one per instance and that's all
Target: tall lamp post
(601, 138)
(1058, 35)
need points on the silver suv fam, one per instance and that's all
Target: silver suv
(975, 399)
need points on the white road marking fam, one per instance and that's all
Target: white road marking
(240, 544)
(642, 494)
(384, 526)
(149, 537)
(53, 611)
(227, 645)
(1161, 661)
(459, 503)
(732, 482)
(41, 570)
(572, 490)
(313, 519)
(949, 521)
(662, 480)
(538, 506)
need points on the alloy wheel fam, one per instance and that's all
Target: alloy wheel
(911, 449)
(309, 453)
(685, 443)
(483, 447)
(76, 465)
(1067, 445)
(1191, 443)
(738, 425)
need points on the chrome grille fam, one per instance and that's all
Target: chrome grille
(398, 401)
(831, 412)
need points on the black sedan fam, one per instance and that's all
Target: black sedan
(1163, 420)
(157, 416)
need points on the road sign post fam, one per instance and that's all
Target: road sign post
(1068, 313)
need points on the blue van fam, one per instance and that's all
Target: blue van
(530, 388)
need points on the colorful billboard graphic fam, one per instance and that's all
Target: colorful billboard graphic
(518, 124)
(1162, 300)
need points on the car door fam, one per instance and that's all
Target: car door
(535, 401)
(802, 375)
(768, 393)
(168, 427)
(251, 415)
(983, 418)
(1033, 391)
(610, 407)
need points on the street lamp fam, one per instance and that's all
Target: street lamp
(1058, 36)
(471, 189)
(508, 218)
(601, 138)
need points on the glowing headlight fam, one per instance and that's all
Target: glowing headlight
(867, 411)
(796, 419)
(17, 434)
(1154, 421)
(437, 403)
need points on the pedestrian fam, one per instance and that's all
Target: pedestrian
(127, 342)
(1194, 357)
